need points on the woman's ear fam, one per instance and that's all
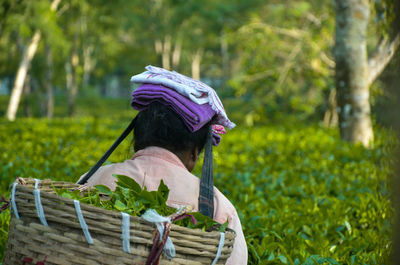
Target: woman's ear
(195, 154)
(192, 157)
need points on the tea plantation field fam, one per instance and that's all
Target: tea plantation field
(304, 197)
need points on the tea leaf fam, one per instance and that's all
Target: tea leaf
(127, 182)
(104, 189)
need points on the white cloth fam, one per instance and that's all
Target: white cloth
(196, 91)
(152, 216)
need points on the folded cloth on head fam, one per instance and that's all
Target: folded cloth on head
(195, 116)
(196, 91)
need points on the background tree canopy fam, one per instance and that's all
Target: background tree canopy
(268, 57)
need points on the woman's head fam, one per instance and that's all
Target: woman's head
(158, 125)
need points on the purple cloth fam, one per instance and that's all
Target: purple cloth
(216, 139)
(195, 116)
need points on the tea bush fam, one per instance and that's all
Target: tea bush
(303, 196)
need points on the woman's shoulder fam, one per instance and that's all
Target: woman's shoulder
(224, 209)
(104, 175)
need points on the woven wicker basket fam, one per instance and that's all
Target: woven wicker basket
(63, 240)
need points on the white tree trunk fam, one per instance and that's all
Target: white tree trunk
(166, 53)
(382, 56)
(27, 57)
(21, 76)
(71, 71)
(352, 71)
(49, 83)
(72, 85)
(27, 106)
(176, 54)
(158, 46)
(331, 115)
(88, 64)
(196, 64)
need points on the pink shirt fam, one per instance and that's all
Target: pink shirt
(149, 166)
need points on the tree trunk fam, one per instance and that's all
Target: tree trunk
(176, 54)
(27, 57)
(88, 64)
(196, 64)
(21, 76)
(71, 74)
(27, 106)
(166, 53)
(331, 116)
(382, 56)
(49, 84)
(158, 46)
(352, 71)
(72, 87)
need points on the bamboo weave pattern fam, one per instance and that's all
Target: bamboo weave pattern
(63, 241)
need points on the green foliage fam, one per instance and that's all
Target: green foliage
(4, 224)
(383, 14)
(284, 53)
(89, 105)
(128, 197)
(131, 198)
(303, 196)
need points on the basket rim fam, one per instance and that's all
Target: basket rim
(28, 186)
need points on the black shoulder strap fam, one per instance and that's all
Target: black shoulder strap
(206, 196)
(108, 153)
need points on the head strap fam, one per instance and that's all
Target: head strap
(206, 196)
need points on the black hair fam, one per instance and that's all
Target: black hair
(161, 126)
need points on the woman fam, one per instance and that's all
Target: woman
(177, 118)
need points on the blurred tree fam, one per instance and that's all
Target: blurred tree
(27, 57)
(188, 32)
(355, 70)
(75, 29)
(165, 19)
(49, 83)
(269, 57)
(282, 60)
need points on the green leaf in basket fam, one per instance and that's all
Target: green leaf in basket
(67, 195)
(120, 206)
(104, 189)
(148, 197)
(126, 193)
(223, 227)
(163, 190)
(127, 182)
(129, 197)
(136, 207)
(204, 222)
